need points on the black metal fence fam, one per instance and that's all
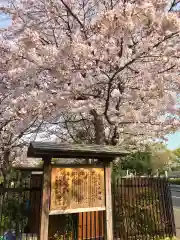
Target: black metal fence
(20, 196)
(142, 209)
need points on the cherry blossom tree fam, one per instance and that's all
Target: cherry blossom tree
(114, 62)
(18, 112)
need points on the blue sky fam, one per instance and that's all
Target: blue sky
(4, 20)
(173, 139)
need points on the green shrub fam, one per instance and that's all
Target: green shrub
(175, 181)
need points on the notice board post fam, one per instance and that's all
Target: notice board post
(45, 200)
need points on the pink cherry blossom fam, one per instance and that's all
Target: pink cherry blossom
(117, 61)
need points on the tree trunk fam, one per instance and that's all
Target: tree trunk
(5, 163)
(99, 128)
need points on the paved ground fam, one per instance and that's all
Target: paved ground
(177, 220)
(176, 198)
(176, 205)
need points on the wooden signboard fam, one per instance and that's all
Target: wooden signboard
(75, 190)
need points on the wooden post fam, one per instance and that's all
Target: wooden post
(109, 220)
(45, 204)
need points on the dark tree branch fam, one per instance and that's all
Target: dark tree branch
(24, 130)
(75, 17)
(173, 5)
(111, 79)
(167, 69)
(70, 134)
(54, 36)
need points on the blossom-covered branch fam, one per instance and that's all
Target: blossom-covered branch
(115, 61)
